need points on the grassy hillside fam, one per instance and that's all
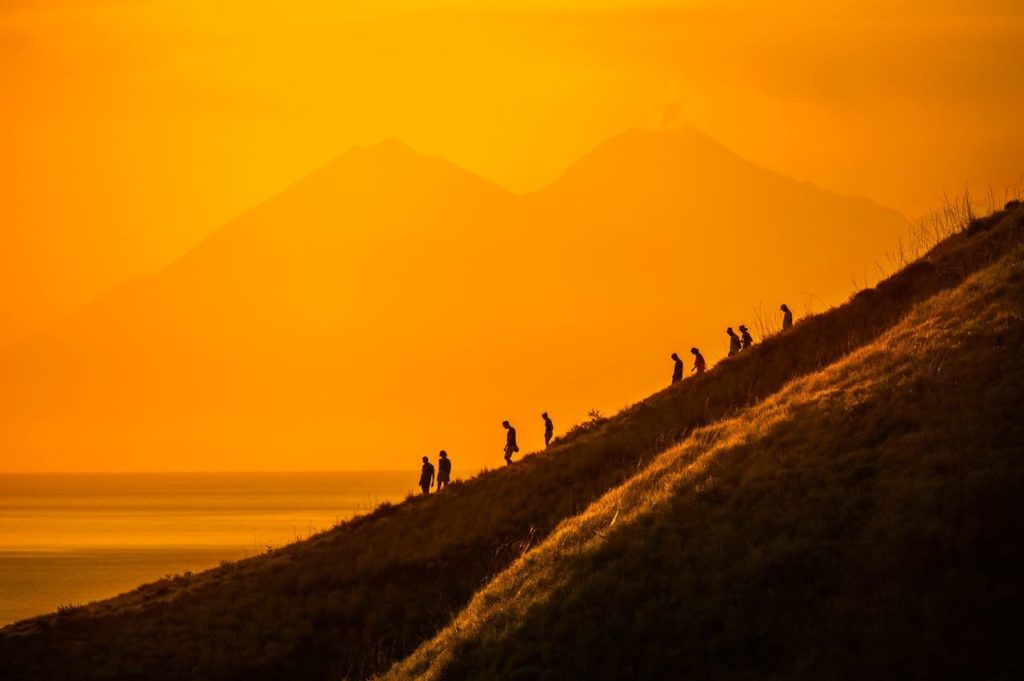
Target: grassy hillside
(865, 522)
(352, 601)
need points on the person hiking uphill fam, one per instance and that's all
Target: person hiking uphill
(734, 342)
(426, 475)
(699, 365)
(444, 470)
(748, 340)
(677, 370)
(549, 428)
(511, 447)
(787, 317)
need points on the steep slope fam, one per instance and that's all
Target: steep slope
(864, 522)
(391, 286)
(351, 601)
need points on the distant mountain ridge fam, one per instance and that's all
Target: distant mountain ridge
(392, 284)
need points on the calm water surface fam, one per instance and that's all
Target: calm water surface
(74, 538)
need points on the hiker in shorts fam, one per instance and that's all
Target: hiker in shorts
(511, 446)
(444, 470)
(549, 428)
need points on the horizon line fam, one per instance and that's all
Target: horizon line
(207, 472)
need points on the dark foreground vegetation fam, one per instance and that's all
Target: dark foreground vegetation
(352, 601)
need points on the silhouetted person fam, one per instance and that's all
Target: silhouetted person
(677, 370)
(699, 365)
(734, 342)
(444, 470)
(549, 428)
(426, 475)
(511, 446)
(787, 317)
(747, 339)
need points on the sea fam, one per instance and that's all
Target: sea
(68, 539)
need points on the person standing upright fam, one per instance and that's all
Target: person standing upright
(734, 342)
(549, 428)
(511, 446)
(787, 317)
(444, 470)
(677, 368)
(426, 475)
(699, 365)
(746, 338)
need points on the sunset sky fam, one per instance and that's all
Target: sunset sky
(132, 129)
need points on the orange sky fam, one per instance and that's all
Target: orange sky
(132, 129)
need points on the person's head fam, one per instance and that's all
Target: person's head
(675, 356)
(506, 424)
(425, 460)
(784, 308)
(544, 416)
(444, 454)
(695, 351)
(730, 331)
(742, 328)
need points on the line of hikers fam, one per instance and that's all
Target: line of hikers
(444, 464)
(737, 343)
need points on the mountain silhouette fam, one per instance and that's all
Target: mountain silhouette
(686, 198)
(390, 285)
